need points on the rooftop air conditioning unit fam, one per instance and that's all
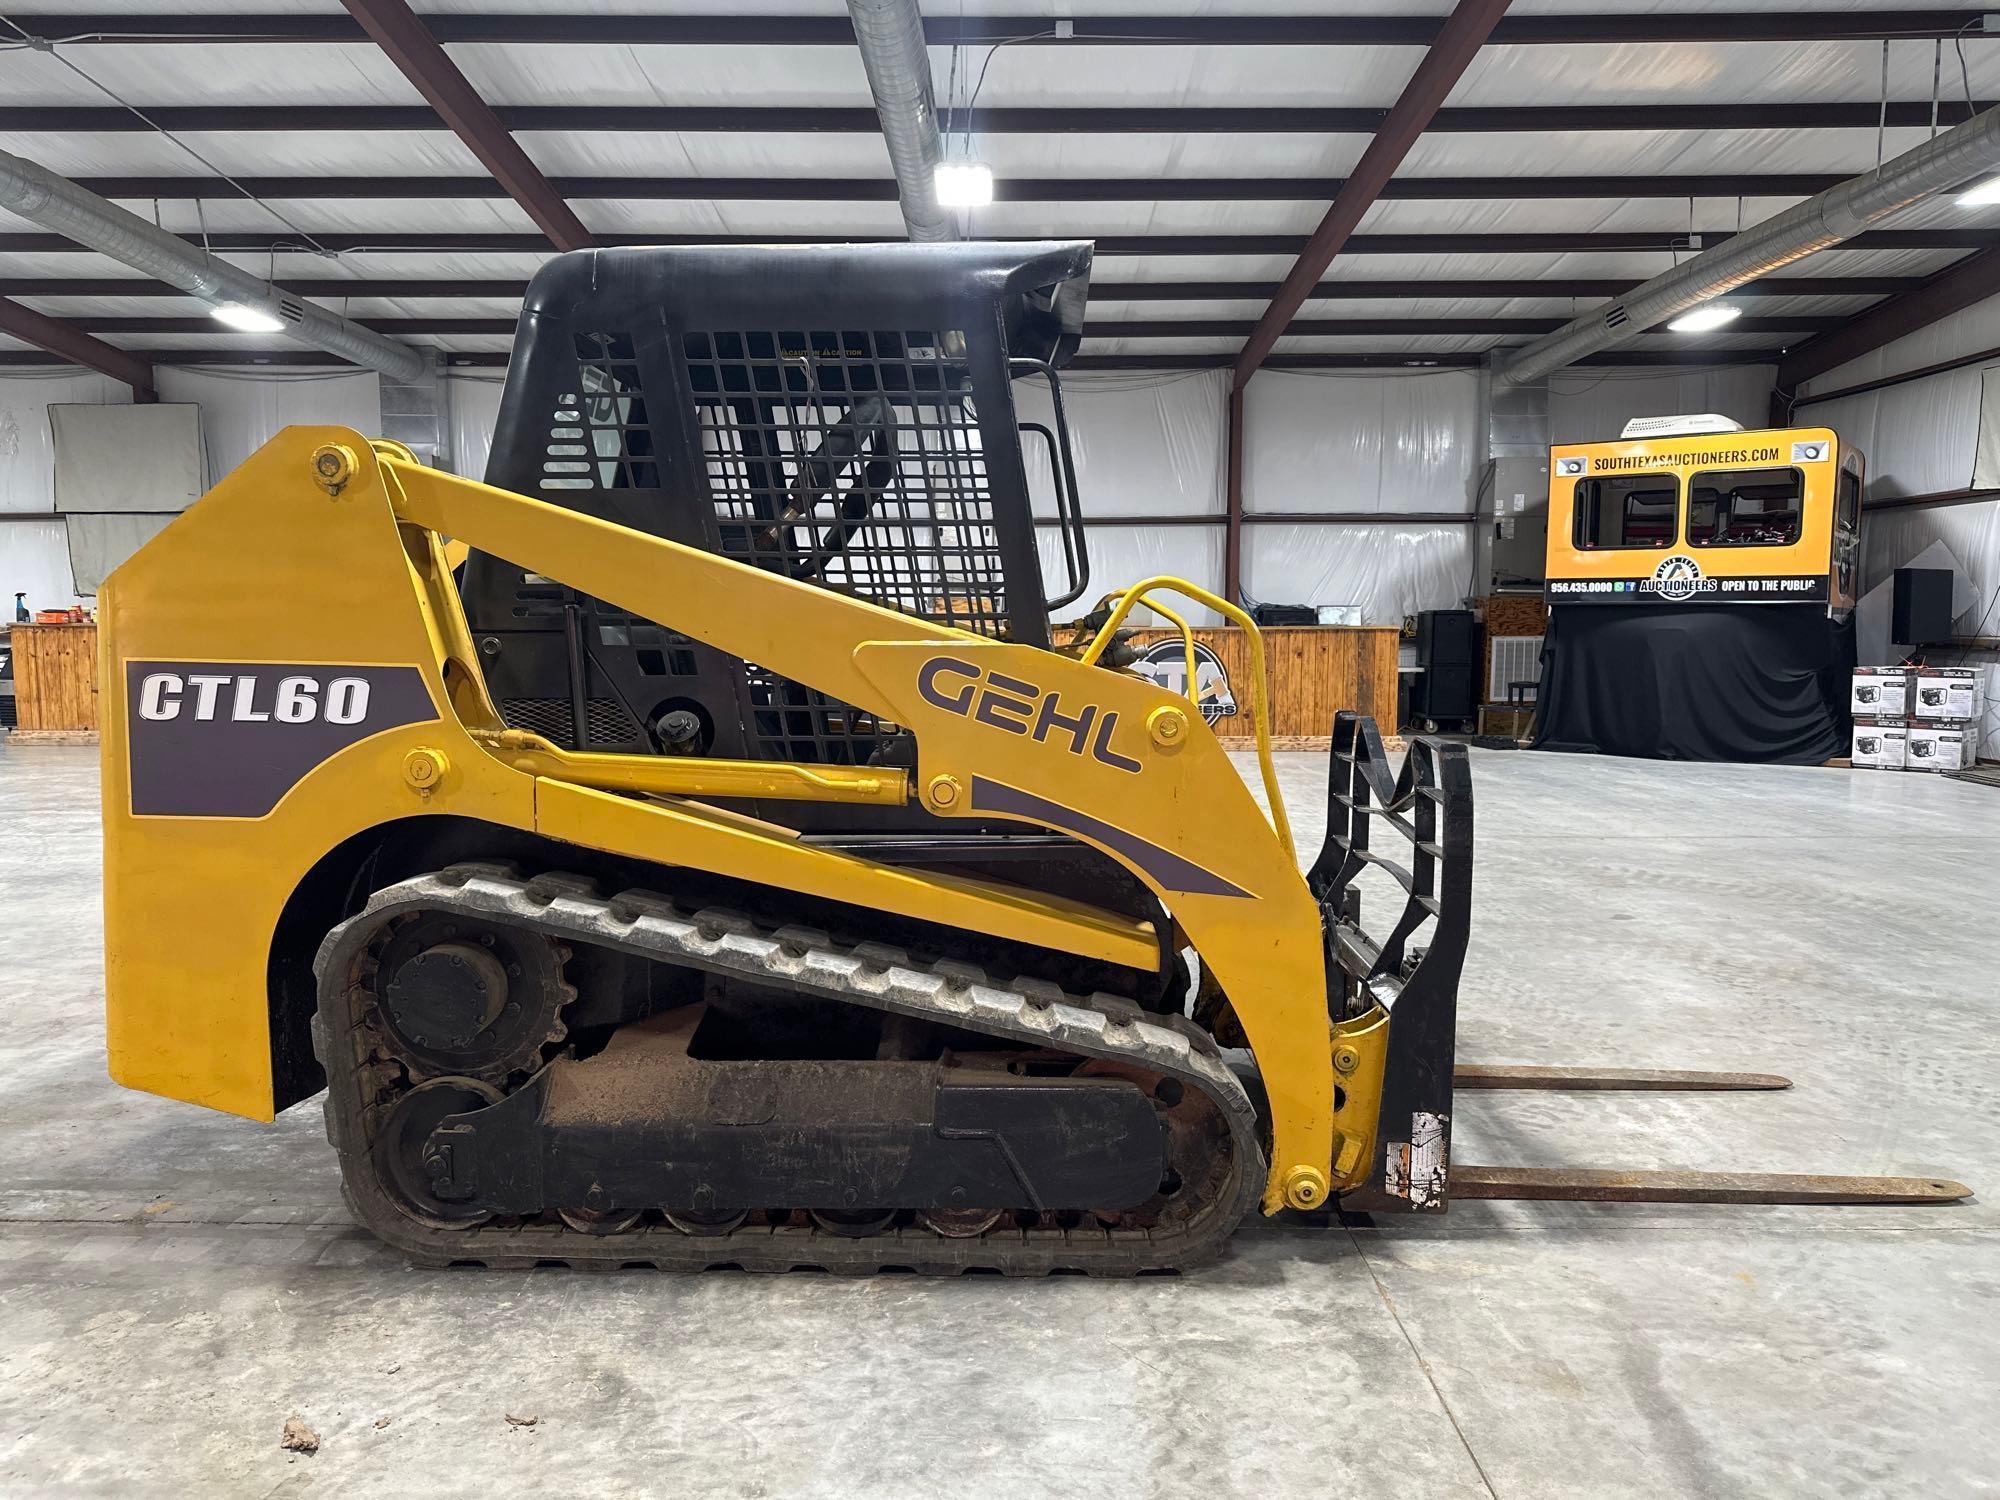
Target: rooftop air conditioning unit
(1688, 426)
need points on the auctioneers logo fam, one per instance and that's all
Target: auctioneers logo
(1165, 663)
(1677, 579)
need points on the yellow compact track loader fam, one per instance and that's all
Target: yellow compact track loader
(794, 904)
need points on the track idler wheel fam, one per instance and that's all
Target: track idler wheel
(959, 1223)
(704, 1224)
(854, 1223)
(411, 1168)
(590, 1221)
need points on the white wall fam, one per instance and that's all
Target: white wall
(240, 411)
(1922, 438)
(1379, 443)
(1147, 444)
(34, 555)
(1153, 444)
(1589, 404)
(474, 407)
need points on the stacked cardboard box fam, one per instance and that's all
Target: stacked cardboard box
(1916, 718)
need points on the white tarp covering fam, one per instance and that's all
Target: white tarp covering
(34, 560)
(27, 442)
(99, 542)
(126, 458)
(242, 410)
(1962, 334)
(1146, 444)
(122, 473)
(1388, 570)
(1121, 555)
(474, 408)
(1588, 405)
(1918, 438)
(1986, 447)
(1378, 443)
(1360, 441)
(1925, 437)
(34, 555)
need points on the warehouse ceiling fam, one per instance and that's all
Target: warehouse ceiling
(1199, 142)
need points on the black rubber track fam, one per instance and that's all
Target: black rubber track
(567, 909)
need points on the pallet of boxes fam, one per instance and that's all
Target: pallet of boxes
(1916, 718)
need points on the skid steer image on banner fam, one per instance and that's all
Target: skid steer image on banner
(916, 944)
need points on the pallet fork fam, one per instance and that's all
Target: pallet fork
(1428, 806)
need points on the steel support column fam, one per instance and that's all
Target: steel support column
(1232, 546)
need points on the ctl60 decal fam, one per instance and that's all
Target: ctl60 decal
(229, 739)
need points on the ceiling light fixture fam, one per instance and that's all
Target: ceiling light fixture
(1981, 194)
(963, 184)
(1705, 318)
(246, 319)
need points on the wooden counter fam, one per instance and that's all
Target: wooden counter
(55, 678)
(1313, 671)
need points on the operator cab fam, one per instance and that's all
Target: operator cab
(841, 415)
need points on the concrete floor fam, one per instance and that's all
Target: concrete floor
(174, 1284)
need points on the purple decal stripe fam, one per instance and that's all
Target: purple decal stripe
(228, 739)
(1168, 869)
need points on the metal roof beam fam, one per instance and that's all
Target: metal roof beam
(1459, 40)
(398, 32)
(577, 27)
(998, 120)
(1950, 291)
(423, 288)
(1005, 190)
(496, 359)
(74, 345)
(501, 242)
(1192, 328)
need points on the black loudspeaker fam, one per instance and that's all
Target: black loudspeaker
(1445, 638)
(1444, 693)
(1921, 612)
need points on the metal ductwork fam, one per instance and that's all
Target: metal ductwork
(891, 36)
(1946, 161)
(59, 205)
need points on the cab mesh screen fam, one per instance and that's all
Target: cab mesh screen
(850, 460)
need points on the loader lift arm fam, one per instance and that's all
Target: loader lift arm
(1010, 732)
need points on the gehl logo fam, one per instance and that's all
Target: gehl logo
(294, 700)
(1021, 708)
